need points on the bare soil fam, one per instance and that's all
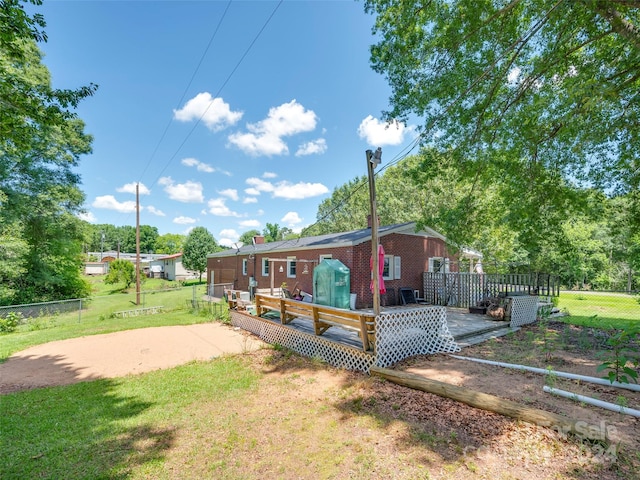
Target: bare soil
(307, 420)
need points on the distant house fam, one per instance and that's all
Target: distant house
(170, 267)
(96, 268)
(408, 254)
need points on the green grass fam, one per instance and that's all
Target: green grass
(601, 310)
(97, 315)
(107, 428)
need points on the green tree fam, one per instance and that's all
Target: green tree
(247, 237)
(551, 83)
(41, 141)
(169, 243)
(274, 233)
(534, 102)
(197, 246)
(121, 271)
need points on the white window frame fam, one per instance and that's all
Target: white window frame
(325, 256)
(387, 270)
(441, 263)
(265, 267)
(245, 263)
(397, 269)
(291, 267)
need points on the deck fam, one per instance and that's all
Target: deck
(466, 328)
(400, 332)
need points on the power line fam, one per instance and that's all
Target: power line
(246, 52)
(431, 125)
(184, 93)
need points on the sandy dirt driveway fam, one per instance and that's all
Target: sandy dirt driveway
(119, 354)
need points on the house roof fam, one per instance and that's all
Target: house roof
(330, 240)
(169, 257)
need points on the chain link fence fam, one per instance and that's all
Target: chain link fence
(194, 298)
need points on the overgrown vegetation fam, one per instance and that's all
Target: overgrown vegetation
(622, 358)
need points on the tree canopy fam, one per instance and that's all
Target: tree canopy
(551, 84)
(528, 108)
(41, 141)
(197, 246)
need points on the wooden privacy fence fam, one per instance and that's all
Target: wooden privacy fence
(460, 289)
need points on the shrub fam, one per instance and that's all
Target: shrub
(10, 322)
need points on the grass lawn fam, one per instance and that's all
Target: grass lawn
(601, 310)
(116, 428)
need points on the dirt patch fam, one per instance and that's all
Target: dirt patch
(119, 354)
(557, 347)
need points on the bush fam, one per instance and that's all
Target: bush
(10, 322)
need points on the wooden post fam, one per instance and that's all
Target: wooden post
(363, 333)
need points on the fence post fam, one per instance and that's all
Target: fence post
(80, 312)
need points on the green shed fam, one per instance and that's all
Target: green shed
(332, 284)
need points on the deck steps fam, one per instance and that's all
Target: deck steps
(468, 339)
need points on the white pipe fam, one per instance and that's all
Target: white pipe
(544, 371)
(592, 401)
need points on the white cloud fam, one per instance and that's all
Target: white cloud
(258, 186)
(232, 193)
(378, 133)
(265, 136)
(512, 76)
(201, 167)
(217, 207)
(188, 192)
(299, 190)
(228, 237)
(250, 199)
(310, 148)
(249, 223)
(155, 211)
(109, 202)
(131, 188)
(213, 112)
(291, 219)
(87, 217)
(184, 220)
(285, 189)
(252, 191)
(269, 175)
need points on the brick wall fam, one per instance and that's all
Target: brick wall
(414, 252)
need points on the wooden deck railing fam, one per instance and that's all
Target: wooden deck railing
(323, 317)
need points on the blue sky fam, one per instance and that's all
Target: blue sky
(231, 115)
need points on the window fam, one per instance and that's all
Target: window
(244, 266)
(391, 270)
(326, 256)
(265, 267)
(387, 271)
(439, 265)
(291, 267)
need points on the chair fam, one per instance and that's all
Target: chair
(406, 296)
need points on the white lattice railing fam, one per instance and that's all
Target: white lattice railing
(398, 335)
(523, 309)
(407, 332)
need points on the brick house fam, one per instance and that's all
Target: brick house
(408, 254)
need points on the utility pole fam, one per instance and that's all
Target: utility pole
(373, 160)
(137, 244)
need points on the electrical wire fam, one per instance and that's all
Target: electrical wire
(432, 124)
